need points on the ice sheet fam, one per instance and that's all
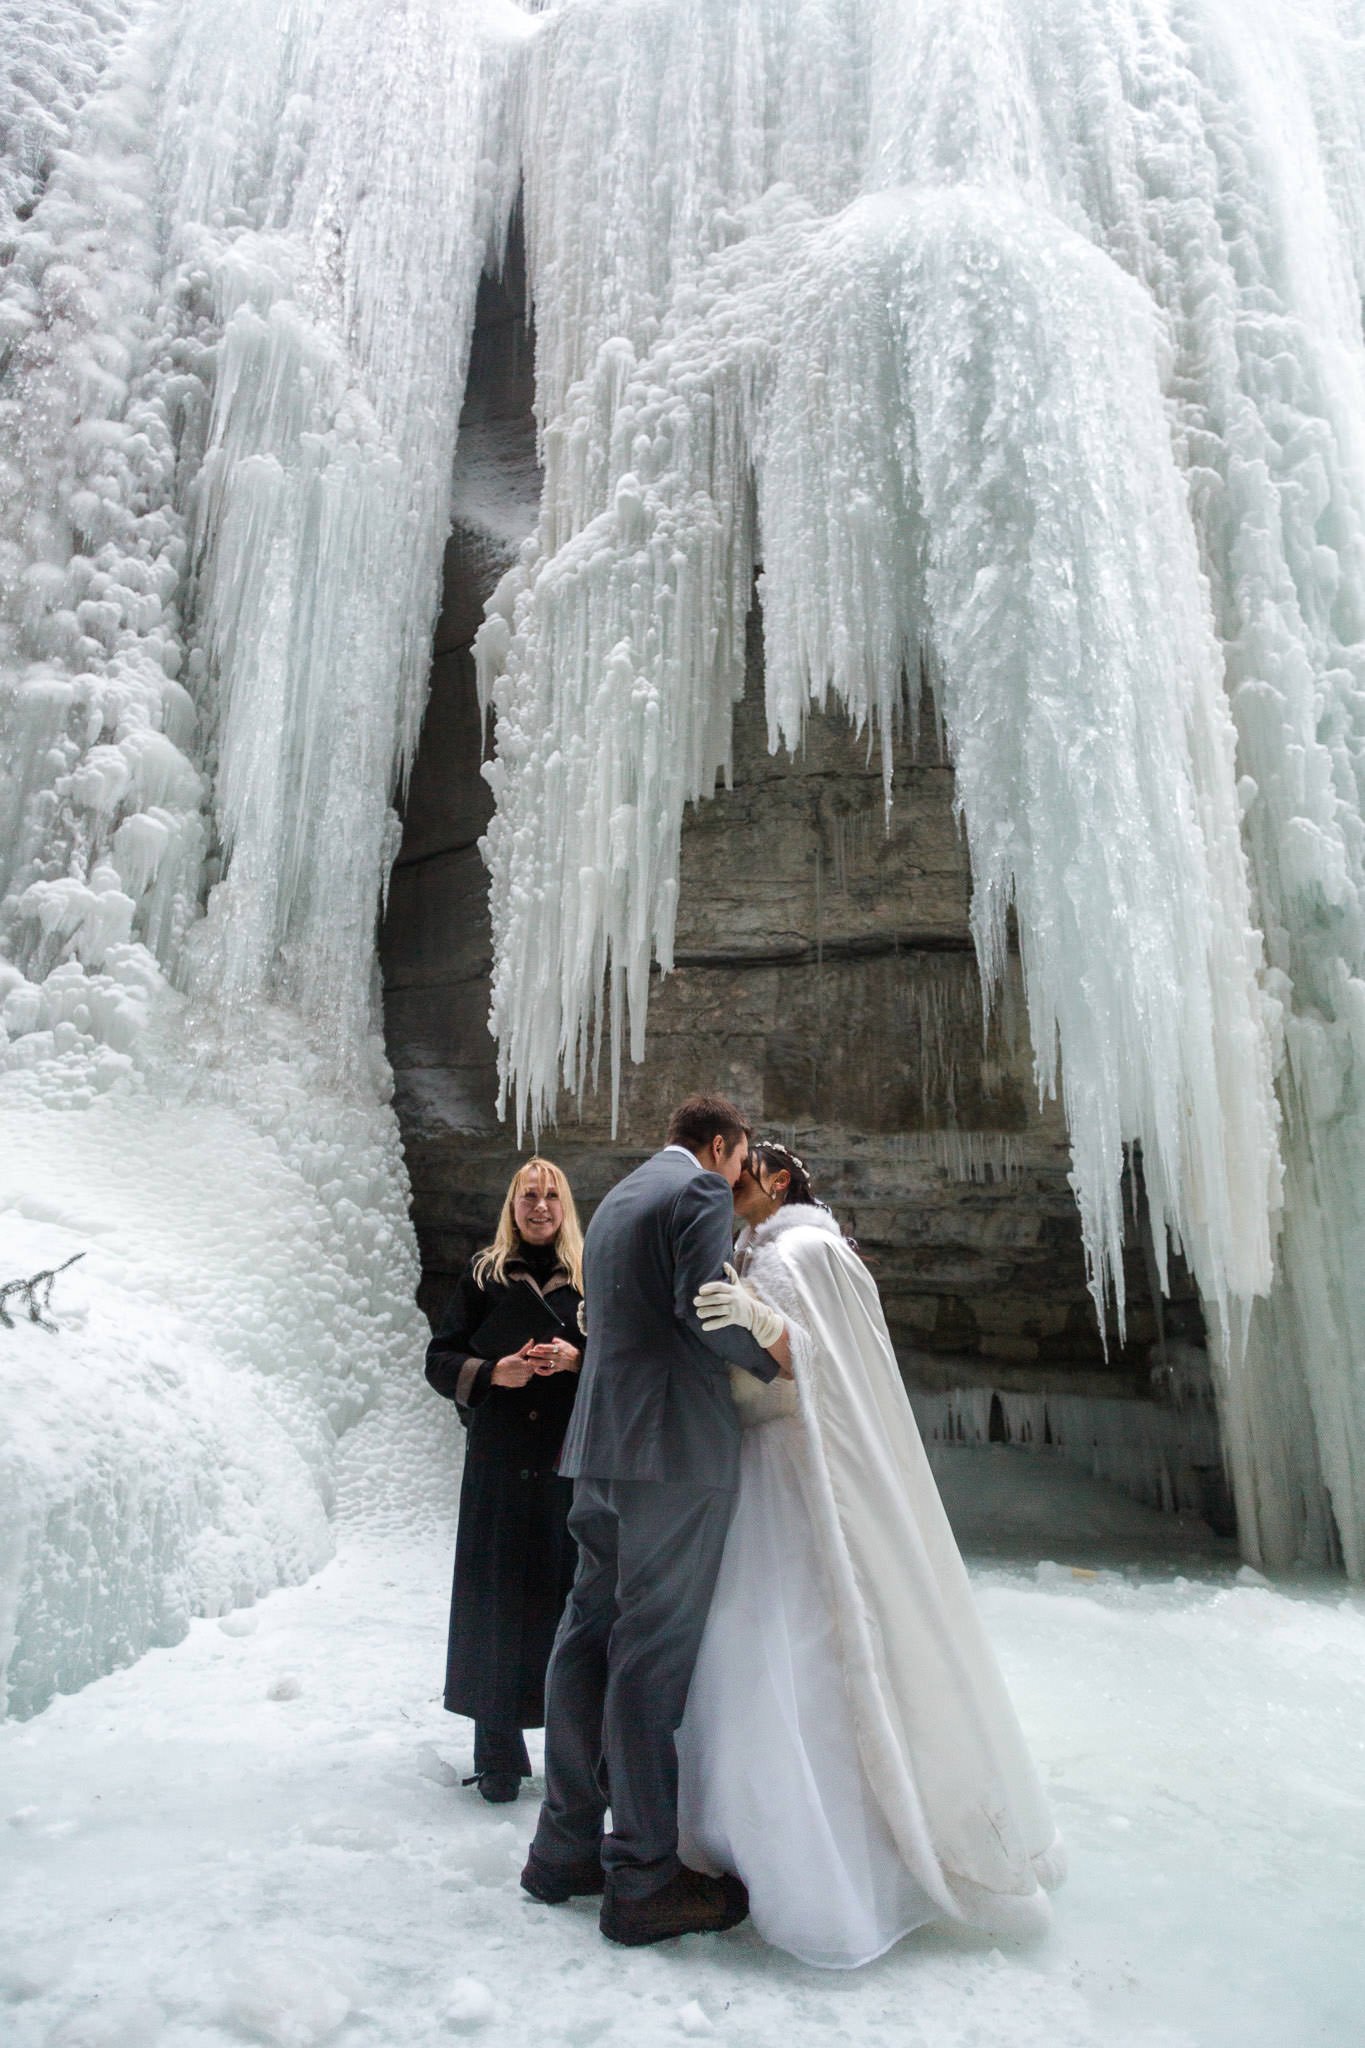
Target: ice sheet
(260, 1835)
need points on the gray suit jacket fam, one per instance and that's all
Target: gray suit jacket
(654, 1398)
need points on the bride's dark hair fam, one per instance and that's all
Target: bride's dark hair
(780, 1159)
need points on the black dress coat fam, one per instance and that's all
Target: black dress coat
(514, 1557)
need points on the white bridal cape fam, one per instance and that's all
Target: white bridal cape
(849, 1747)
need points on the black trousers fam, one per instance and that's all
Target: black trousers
(500, 1749)
(648, 1555)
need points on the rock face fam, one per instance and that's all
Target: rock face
(825, 979)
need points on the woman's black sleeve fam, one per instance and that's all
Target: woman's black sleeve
(451, 1367)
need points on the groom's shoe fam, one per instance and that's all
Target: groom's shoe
(552, 1883)
(690, 1903)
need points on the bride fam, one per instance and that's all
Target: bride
(849, 1748)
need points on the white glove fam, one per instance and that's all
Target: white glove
(582, 1318)
(721, 1303)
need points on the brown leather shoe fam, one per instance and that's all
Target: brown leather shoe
(690, 1903)
(552, 1883)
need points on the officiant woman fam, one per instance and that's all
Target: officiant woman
(507, 1353)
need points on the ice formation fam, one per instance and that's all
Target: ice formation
(243, 246)
(1020, 343)
(1013, 344)
(1161, 1454)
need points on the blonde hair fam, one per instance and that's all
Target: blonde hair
(491, 1263)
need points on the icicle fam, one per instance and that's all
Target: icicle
(848, 366)
(986, 1158)
(1159, 1455)
(1049, 377)
(235, 325)
(322, 504)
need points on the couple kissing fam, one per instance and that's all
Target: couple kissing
(770, 1674)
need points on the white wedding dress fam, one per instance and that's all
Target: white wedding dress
(849, 1748)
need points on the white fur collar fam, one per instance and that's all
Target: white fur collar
(791, 1216)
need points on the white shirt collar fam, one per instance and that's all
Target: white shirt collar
(686, 1155)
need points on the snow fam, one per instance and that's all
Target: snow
(244, 1297)
(260, 1835)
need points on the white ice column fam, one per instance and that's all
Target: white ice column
(363, 143)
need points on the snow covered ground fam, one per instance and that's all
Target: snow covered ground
(260, 1835)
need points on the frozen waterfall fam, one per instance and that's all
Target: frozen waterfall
(242, 254)
(1014, 343)
(1017, 344)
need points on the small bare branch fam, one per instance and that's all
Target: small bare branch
(36, 1295)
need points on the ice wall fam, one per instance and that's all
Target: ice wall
(1015, 341)
(1021, 341)
(235, 320)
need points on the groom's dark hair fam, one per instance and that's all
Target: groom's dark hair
(701, 1118)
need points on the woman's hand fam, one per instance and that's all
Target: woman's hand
(517, 1367)
(556, 1356)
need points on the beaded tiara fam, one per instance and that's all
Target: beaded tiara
(774, 1145)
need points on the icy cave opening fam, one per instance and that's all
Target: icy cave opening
(823, 970)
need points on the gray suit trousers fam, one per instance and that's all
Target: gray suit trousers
(648, 1555)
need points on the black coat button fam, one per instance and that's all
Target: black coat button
(534, 1415)
(525, 1475)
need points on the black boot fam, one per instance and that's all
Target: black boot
(500, 1763)
(499, 1788)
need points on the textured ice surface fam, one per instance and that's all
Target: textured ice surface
(235, 315)
(1020, 346)
(50, 56)
(244, 1299)
(214, 1860)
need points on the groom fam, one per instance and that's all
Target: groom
(653, 1445)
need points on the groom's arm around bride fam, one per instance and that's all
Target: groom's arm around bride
(654, 1396)
(654, 1449)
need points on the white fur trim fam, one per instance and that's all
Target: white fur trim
(791, 1216)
